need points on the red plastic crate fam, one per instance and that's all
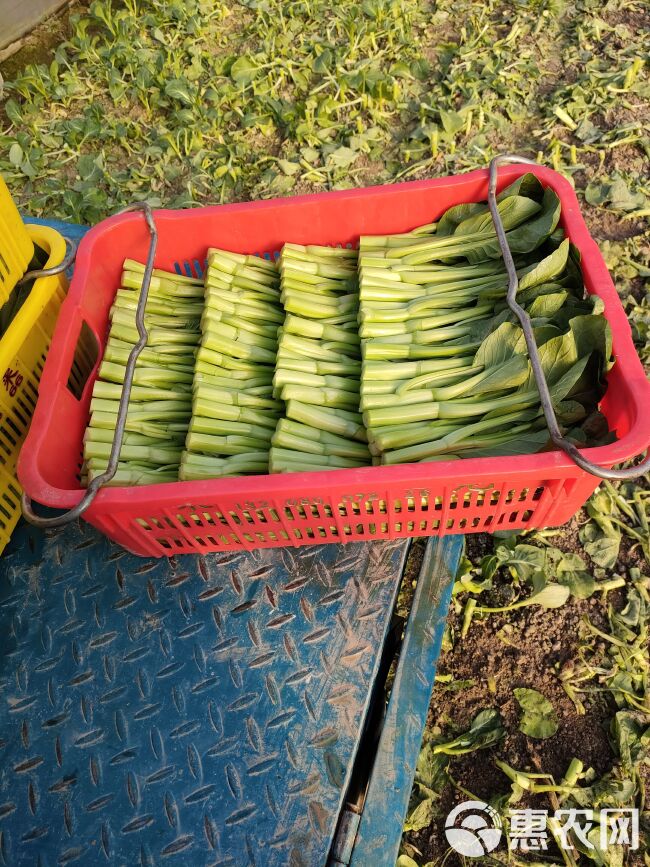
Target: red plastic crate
(483, 494)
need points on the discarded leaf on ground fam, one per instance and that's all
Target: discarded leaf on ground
(539, 719)
(580, 582)
(431, 769)
(603, 549)
(486, 729)
(421, 816)
(551, 596)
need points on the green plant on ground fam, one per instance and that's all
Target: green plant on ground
(613, 664)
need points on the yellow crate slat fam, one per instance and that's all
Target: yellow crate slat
(16, 245)
(23, 350)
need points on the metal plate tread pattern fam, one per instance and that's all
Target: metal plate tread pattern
(202, 710)
(380, 827)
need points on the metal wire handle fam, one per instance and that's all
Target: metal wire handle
(63, 265)
(513, 285)
(99, 481)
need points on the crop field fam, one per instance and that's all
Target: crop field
(193, 102)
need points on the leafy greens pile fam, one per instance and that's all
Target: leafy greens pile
(404, 352)
(445, 367)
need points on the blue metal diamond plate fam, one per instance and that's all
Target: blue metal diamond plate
(203, 710)
(380, 828)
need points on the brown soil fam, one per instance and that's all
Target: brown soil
(526, 648)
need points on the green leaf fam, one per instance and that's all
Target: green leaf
(525, 237)
(524, 559)
(311, 155)
(28, 169)
(421, 817)
(526, 185)
(489, 565)
(622, 198)
(13, 112)
(632, 737)
(87, 168)
(15, 155)
(482, 328)
(514, 210)
(544, 333)
(288, 167)
(420, 68)
(485, 731)
(603, 549)
(282, 184)
(580, 582)
(550, 596)
(587, 131)
(342, 157)
(177, 88)
(616, 193)
(406, 861)
(323, 62)
(601, 507)
(564, 386)
(596, 193)
(539, 719)
(572, 277)
(431, 768)
(558, 357)
(608, 791)
(593, 333)
(400, 69)
(452, 121)
(526, 296)
(528, 237)
(453, 217)
(548, 269)
(634, 612)
(547, 305)
(499, 345)
(503, 376)
(570, 562)
(244, 70)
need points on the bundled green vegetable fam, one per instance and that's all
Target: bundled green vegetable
(161, 397)
(446, 373)
(234, 412)
(318, 364)
(277, 383)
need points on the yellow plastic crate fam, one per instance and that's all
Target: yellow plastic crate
(16, 246)
(22, 355)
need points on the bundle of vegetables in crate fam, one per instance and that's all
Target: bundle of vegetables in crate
(403, 351)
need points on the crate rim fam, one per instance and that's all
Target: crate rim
(53, 244)
(114, 499)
